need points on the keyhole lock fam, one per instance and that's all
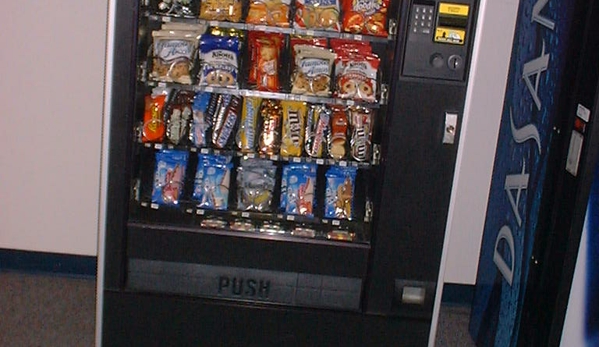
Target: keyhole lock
(454, 62)
(451, 123)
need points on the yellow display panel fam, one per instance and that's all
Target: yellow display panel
(453, 9)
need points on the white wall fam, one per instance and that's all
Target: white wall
(51, 91)
(478, 141)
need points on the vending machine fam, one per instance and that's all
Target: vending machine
(279, 172)
(544, 166)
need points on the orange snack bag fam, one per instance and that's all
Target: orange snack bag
(365, 17)
(269, 12)
(153, 128)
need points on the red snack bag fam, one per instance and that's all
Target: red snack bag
(356, 76)
(153, 128)
(339, 45)
(265, 60)
(365, 16)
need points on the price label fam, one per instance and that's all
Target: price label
(343, 163)
(251, 155)
(290, 218)
(209, 89)
(200, 212)
(144, 204)
(274, 157)
(260, 27)
(166, 19)
(154, 206)
(350, 103)
(358, 37)
(213, 23)
(193, 149)
(189, 210)
(336, 223)
(245, 214)
(158, 146)
(320, 161)
(310, 32)
(297, 160)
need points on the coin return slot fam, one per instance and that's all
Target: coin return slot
(413, 295)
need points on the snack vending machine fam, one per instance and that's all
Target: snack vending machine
(279, 172)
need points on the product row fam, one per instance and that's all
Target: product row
(254, 125)
(192, 54)
(354, 16)
(259, 185)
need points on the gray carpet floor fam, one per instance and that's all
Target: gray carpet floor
(39, 310)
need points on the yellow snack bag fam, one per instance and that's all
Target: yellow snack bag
(294, 123)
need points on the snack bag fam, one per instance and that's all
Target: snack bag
(269, 12)
(247, 132)
(365, 16)
(337, 141)
(317, 130)
(212, 181)
(297, 189)
(169, 177)
(173, 52)
(317, 14)
(265, 50)
(256, 180)
(269, 141)
(361, 133)
(313, 67)
(222, 10)
(225, 121)
(356, 76)
(340, 192)
(200, 123)
(177, 8)
(179, 114)
(219, 59)
(294, 124)
(153, 128)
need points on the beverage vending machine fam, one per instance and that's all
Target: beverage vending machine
(278, 172)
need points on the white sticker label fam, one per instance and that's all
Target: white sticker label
(336, 222)
(154, 206)
(574, 152)
(583, 112)
(245, 214)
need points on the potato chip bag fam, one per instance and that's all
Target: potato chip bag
(367, 17)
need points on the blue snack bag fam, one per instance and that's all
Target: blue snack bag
(200, 123)
(298, 185)
(169, 177)
(219, 57)
(340, 192)
(212, 181)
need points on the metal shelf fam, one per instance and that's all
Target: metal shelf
(273, 29)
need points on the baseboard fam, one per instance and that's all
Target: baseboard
(51, 263)
(458, 294)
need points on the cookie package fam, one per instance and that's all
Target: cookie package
(317, 14)
(173, 54)
(269, 12)
(219, 59)
(356, 70)
(313, 68)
